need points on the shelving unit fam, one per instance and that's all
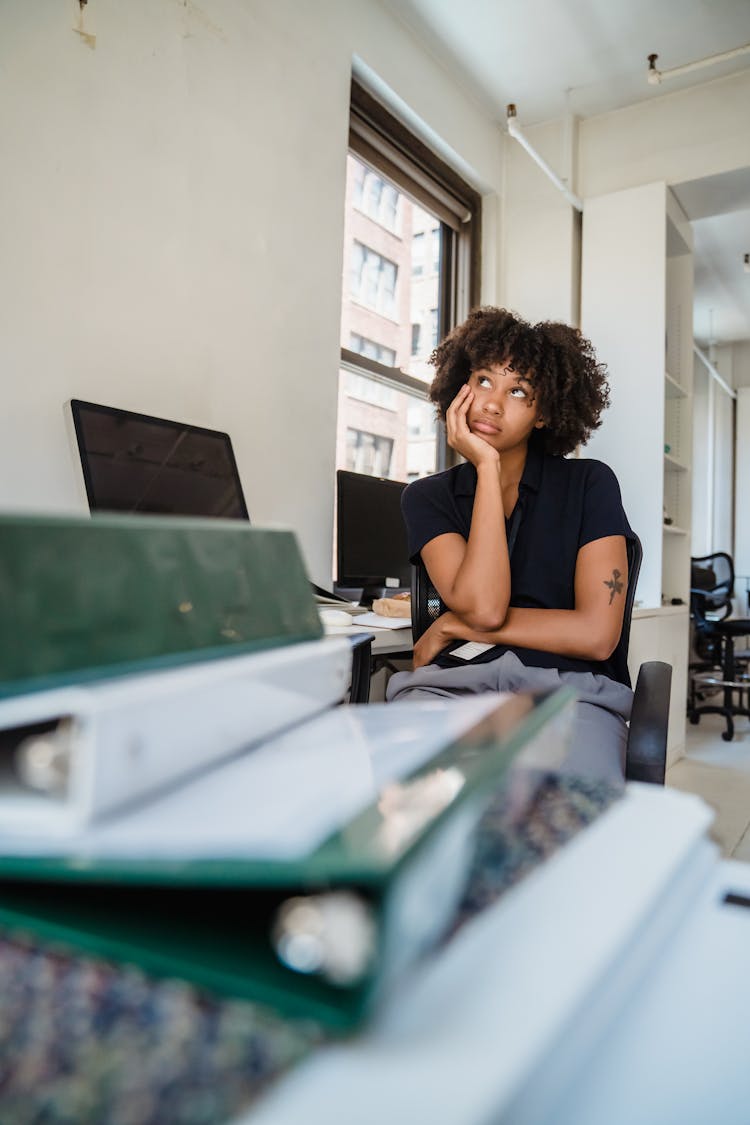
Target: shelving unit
(678, 403)
(636, 307)
(672, 388)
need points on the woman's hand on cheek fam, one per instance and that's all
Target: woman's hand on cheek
(460, 437)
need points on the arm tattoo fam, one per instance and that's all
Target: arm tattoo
(615, 585)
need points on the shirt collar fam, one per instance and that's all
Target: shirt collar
(531, 478)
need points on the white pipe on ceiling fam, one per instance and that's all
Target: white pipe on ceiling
(515, 131)
(713, 372)
(655, 77)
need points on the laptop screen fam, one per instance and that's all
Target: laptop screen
(137, 463)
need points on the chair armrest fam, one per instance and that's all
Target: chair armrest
(359, 691)
(646, 758)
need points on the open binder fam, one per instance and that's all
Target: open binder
(316, 927)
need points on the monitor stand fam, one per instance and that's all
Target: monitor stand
(328, 595)
(369, 594)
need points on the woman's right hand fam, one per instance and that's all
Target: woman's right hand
(460, 437)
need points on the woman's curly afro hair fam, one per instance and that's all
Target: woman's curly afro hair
(569, 385)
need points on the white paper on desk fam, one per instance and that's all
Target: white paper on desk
(377, 621)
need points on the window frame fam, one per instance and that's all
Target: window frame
(390, 149)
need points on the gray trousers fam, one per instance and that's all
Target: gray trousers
(599, 736)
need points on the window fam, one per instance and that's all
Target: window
(370, 390)
(417, 254)
(377, 198)
(372, 349)
(411, 269)
(373, 280)
(436, 249)
(368, 453)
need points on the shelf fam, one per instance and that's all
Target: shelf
(672, 465)
(670, 529)
(659, 610)
(672, 388)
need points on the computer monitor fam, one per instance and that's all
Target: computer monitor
(371, 547)
(136, 463)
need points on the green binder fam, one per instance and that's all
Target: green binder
(390, 879)
(84, 599)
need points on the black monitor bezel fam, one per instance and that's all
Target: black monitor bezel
(353, 581)
(78, 405)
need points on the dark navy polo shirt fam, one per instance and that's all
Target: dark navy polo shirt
(565, 503)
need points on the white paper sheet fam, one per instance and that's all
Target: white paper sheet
(377, 621)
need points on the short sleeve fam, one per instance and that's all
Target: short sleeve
(603, 513)
(429, 509)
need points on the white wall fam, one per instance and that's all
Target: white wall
(681, 136)
(723, 514)
(714, 453)
(172, 221)
(540, 262)
(701, 534)
(741, 361)
(742, 511)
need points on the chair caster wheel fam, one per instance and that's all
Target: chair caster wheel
(727, 735)
(694, 719)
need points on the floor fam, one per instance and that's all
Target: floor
(719, 772)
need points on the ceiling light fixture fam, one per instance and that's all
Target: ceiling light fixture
(515, 131)
(655, 76)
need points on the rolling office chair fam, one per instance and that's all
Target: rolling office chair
(646, 753)
(719, 666)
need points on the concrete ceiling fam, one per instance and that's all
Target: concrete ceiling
(585, 57)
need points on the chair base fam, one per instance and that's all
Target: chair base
(730, 676)
(729, 710)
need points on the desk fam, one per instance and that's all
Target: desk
(386, 641)
(386, 644)
(389, 641)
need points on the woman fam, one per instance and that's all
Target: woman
(526, 548)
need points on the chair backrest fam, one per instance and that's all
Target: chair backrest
(711, 586)
(427, 605)
(635, 558)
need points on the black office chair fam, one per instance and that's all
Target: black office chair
(719, 667)
(646, 753)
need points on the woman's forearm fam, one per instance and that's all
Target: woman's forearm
(481, 588)
(566, 632)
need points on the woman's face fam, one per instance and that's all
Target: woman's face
(504, 410)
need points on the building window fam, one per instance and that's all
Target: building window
(368, 453)
(435, 249)
(373, 280)
(373, 195)
(433, 328)
(372, 349)
(371, 390)
(417, 254)
(411, 235)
